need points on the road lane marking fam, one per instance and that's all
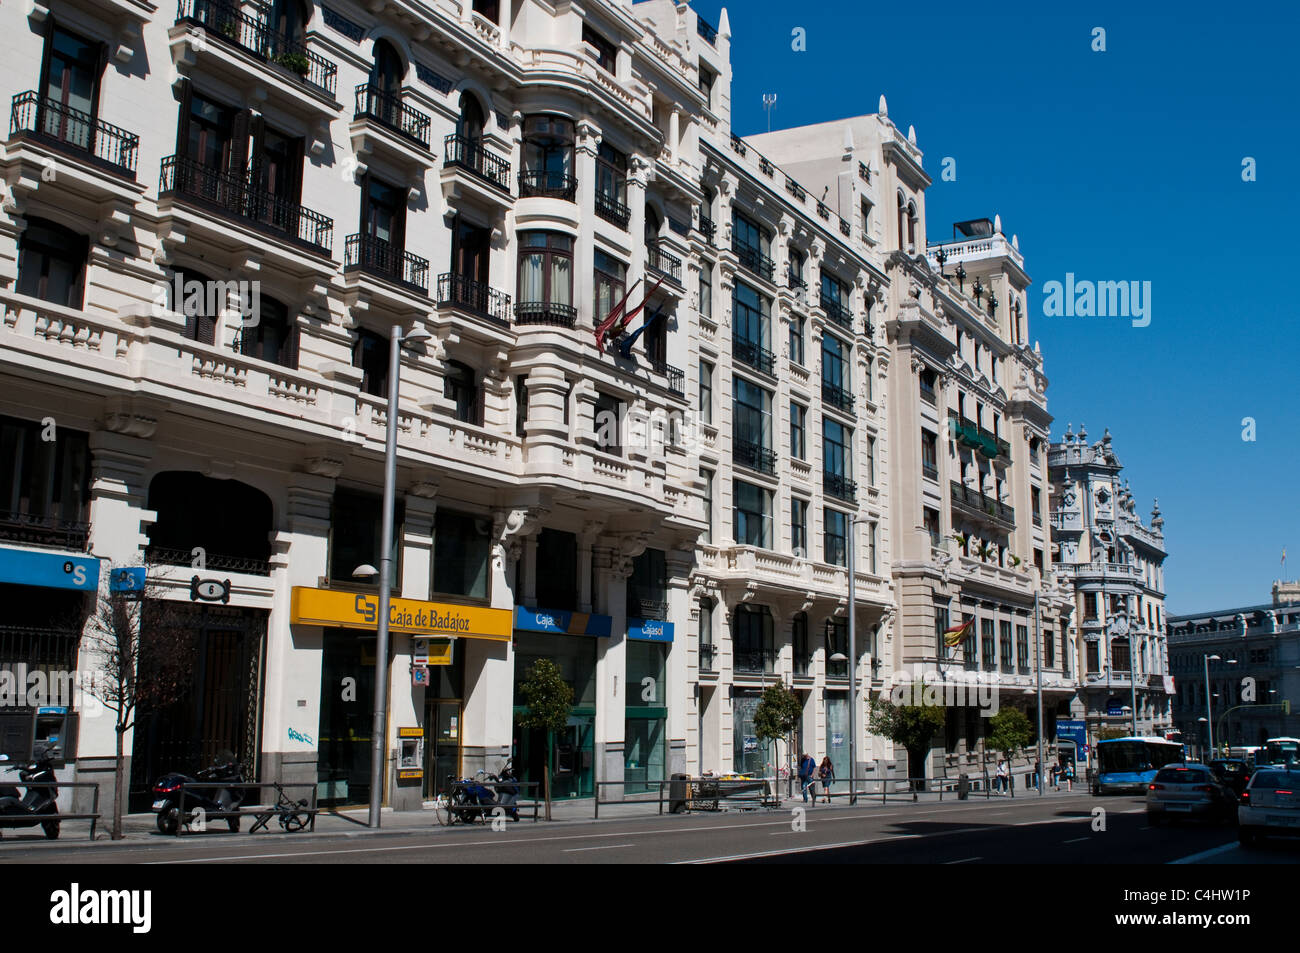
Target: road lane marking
(964, 861)
(578, 850)
(1203, 855)
(1076, 840)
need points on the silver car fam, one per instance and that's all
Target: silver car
(1270, 804)
(1188, 790)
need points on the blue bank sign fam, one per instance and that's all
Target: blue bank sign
(49, 570)
(562, 622)
(649, 630)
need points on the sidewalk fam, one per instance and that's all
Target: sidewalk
(141, 829)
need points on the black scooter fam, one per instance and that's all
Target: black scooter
(41, 801)
(225, 800)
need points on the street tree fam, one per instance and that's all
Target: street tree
(1009, 731)
(912, 726)
(777, 716)
(549, 700)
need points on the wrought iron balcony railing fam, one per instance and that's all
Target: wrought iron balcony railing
(676, 376)
(253, 34)
(707, 657)
(662, 263)
(756, 356)
(707, 33)
(391, 111)
(837, 397)
(837, 312)
(217, 561)
(753, 260)
(545, 312)
(707, 228)
(973, 501)
(761, 661)
(612, 210)
(840, 487)
(549, 185)
(238, 194)
(754, 456)
(19, 527)
(474, 296)
(472, 155)
(377, 257)
(73, 131)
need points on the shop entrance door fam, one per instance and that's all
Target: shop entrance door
(442, 726)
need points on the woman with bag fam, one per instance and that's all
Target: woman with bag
(827, 774)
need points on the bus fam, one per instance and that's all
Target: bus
(1279, 751)
(1130, 764)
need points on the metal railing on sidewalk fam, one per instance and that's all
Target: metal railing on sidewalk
(261, 813)
(36, 820)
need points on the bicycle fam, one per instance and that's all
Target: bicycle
(293, 815)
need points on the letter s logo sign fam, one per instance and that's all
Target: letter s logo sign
(79, 575)
(366, 609)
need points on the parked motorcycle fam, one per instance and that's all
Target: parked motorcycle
(224, 800)
(480, 796)
(507, 792)
(41, 800)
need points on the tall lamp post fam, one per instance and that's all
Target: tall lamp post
(379, 726)
(1209, 718)
(852, 659)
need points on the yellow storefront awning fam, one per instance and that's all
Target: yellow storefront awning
(360, 610)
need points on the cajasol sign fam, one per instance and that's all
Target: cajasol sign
(562, 622)
(360, 610)
(649, 630)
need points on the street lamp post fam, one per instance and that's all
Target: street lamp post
(379, 726)
(1209, 717)
(853, 660)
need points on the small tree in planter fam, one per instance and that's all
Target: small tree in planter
(1009, 731)
(294, 62)
(549, 699)
(911, 726)
(777, 716)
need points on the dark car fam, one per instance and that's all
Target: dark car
(1189, 790)
(1232, 772)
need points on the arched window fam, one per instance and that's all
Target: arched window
(274, 337)
(902, 219)
(191, 295)
(470, 122)
(289, 24)
(461, 386)
(911, 226)
(385, 86)
(548, 158)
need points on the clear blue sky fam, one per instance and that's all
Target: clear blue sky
(1122, 165)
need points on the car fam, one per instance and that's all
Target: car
(1188, 790)
(1233, 772)
(1270, 804)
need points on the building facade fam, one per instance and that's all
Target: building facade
(1115, 567)
(1246, 661)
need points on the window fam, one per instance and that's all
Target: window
(43, 483)
(608, 421)
(706, 477)
(836, 300)
(871, 460)
(706, 291)
(1089, 605)
(1036, 504)
(1092, 656)
(198, 303)
(1038, 559)
(545, 278)
(867, 386)
(51, 263)
(611, 185)
(835, 537)
(557, 570)
(930, 520)
(611, 281)
(707, 80)
(70, 89)
(461, 386)
(837, 379)
(274, 338)
(837, 457)
(752, 513)
(988, 653)
(606, 52)
(1022, 648)
(1049, 649)
(798, 438)
(752, 426)
(647, 588)
(706, 392)
(929, 454)
(837, 643)
(370, 354)
(799, 646)
(356, 530)
(751, 328)
(796, 269)
(548, 158)
(462, 543)
(751, 634)
(1065, 651)
(799, 527)
(940, 626)
(866, 218)
(706, 634)
(928, 379)
(521, 404)
(796, 341)
(873, 541)
(752, 245)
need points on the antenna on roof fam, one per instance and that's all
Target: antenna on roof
(769, 103)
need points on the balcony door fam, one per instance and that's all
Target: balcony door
(386, 85)
(470, 246)
(383, 226)
(276, 176)
(70, 88)
(289, 25)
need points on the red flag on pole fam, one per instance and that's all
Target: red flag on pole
(627, 318)
(602, 329)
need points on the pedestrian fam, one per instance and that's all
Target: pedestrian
(1056, 777)
(1002, 775)
(1038, 770)
(827, 773)
(807, 768)
(1069, 777)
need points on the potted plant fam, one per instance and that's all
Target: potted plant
(294, 62)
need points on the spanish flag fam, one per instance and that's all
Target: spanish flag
(953, 635)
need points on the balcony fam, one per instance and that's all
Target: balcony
(840, 487)
(754, 355)
(547, 185)
(982, 508)
(753, 260)
(837, 312)
(28, 528)
(385, 260)
(229, 24)
(158, 555)
(655, 609)
(676, 376)
(75, 133)
(970, 434)
(471, 155)
(753, 456)
(662, 263)
(762, 661)
(707, 228)
(837, 397)
(545, 312)
(612, 210)
(234, 194)
(475, 297)
(706, 32)
(391, 112)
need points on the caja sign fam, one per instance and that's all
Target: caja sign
(50, 570)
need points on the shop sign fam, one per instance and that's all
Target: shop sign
(1074, 731)
(209, 590)
(649, 630)
(562, 622)
(50, 570)
(131, 579)
(359, 610)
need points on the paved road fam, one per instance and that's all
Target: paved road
(1024, 830)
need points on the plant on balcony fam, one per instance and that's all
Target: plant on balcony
(231, 29)
(961, 541)
(294, 62)
(1015, 560)
(777, 716)
(986, 552)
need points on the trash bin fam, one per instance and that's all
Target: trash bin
(677, 793)
(963, 786)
